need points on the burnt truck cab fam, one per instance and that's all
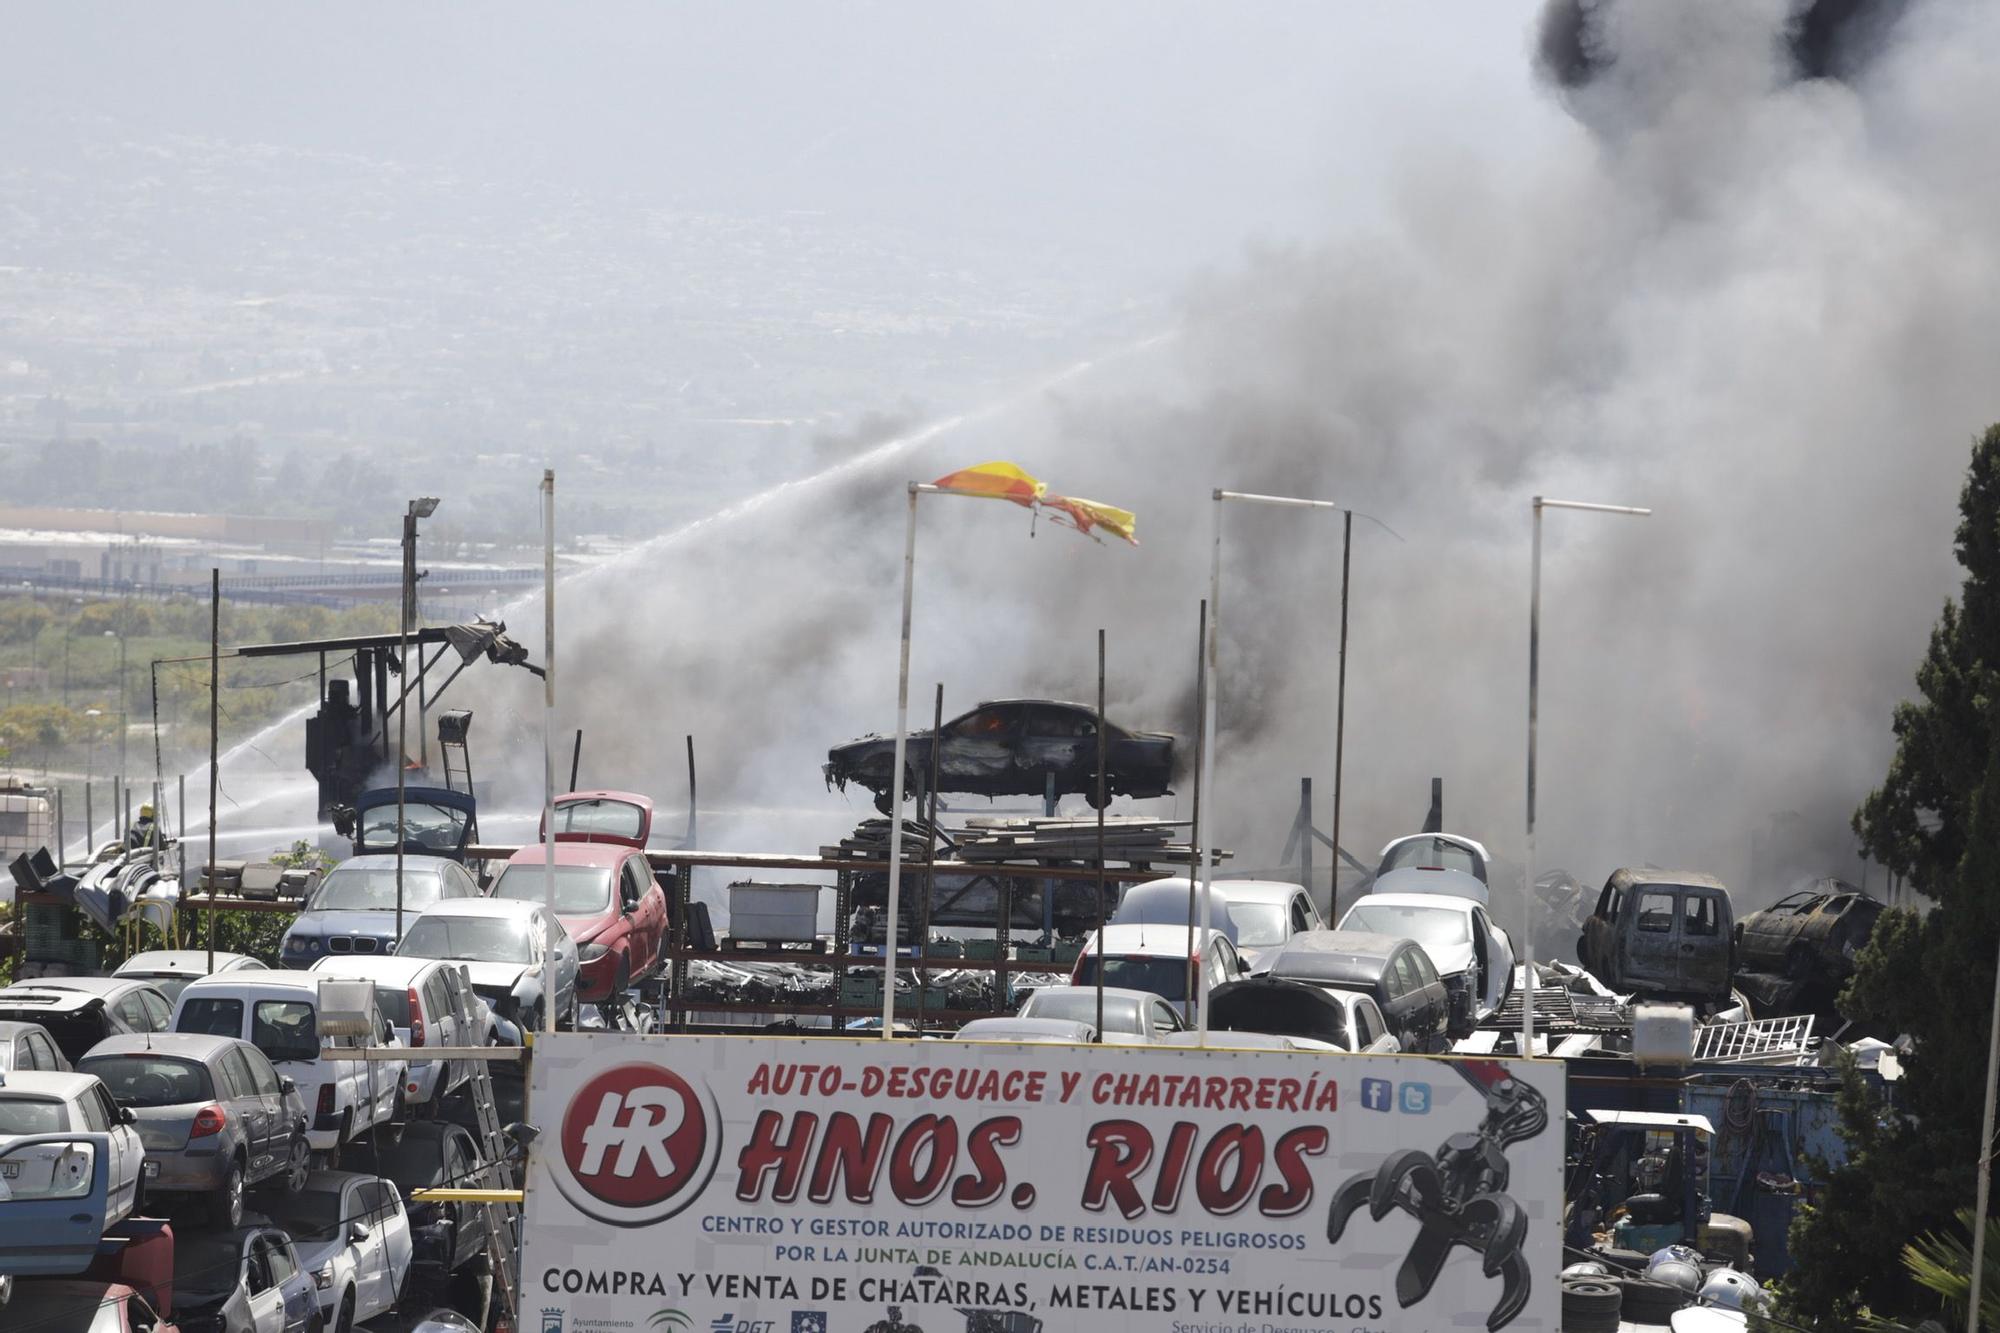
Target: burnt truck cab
(1661, 932)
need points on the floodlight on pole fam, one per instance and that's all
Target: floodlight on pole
(1534, 682)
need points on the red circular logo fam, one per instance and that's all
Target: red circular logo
(635, 1137)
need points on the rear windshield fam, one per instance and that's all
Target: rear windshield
(1260, 925)
(74, 1032)
(469, 939)
(614, 819)
(214, 1017)
(170, 986)
(32, 1115)
(361, 888)
(394, 1002)
(579, 889)
(285, 1030)
(1165, 977)
(151, 1080)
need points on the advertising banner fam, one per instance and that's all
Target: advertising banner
(835, 1185)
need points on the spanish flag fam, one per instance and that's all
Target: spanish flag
(998, 481)
(1083, 515)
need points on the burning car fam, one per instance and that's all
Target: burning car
(1012, 747)
(1796, 954)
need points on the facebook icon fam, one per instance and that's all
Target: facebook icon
(1375, 1094)
(1416, 1098)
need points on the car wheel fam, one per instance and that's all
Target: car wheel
(225, 1206)
(882, 803)
(315, 1324)
(621, 987)
(343, 1319)
(298, 1165)
(1090, 798)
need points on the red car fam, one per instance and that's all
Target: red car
(606, 895)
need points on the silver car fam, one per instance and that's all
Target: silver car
(215, 1117)
(170, 970)
(28, 1046)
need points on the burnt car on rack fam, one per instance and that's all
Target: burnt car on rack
(1012, 747)
(1796, 954)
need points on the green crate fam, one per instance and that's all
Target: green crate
(935, 999)
(1067, 952)
(1033, 953)
(985, 950)
(861, 991)
(946, 949)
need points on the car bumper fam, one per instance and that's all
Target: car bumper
(186, 1172)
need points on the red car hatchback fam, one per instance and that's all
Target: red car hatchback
(606, 896)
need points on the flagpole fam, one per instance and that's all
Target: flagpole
(1206, 778)
(896, 780)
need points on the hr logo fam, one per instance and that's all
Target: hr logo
(638, 1144)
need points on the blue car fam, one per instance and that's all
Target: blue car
(353, 911)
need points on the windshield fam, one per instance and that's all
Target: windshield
(365, 888)
(310, 1215)
(151, 1080)
(168, 984)
(1165, 977)
(32, 1115)
(1428, 926)
(216, 1017)
(580, 890)
(613, 819)
(1259, 925)
(430, 826)
(468, 939)
(1431, 854)
(1081, 1007)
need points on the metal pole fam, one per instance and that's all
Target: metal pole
(1206, 773)
(124, 705)
(214, 754)
(548, 739)
(575, 758)
(89, 814)
(159, 769)
(1305, 827)
(1103, 798)
(402, 711)
(1528, 843)
(930, 856)
(1339, 722)
(1985, 1163)
(896, 780)
(62, 833)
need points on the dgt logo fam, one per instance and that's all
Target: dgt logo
(729, 1323)
(638, 1144)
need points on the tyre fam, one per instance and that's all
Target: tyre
(1646, 1301)
(1590, 1305)
(225, 1206)
(882, 803)
(343, 1319)
(622, 984)
(298, 1164)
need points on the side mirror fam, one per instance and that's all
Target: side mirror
(1461, 1024)
(356, 1233)
(285, 1083)
(125, 1116)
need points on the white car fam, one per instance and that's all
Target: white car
(1131, 1017)
(278, 1013)
(1266, 913)
(1435, 851)
(1155, 958)
(1468, 950)
(171, 969)
(354, 1238)
(1032, 1031)
(424, 999)
(1345, 1020)
(503, 944)
(48, 1188)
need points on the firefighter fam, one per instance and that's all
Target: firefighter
(141, 832)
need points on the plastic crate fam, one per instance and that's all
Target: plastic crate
(946, 949)
(986, 950)
(861, 991)
(1033, 953)
(1067, 952)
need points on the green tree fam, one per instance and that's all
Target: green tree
(1935, 819)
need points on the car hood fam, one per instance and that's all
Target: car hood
(349, 921)
(491, 975)
(1450, 959)
(320, 1252)
(583, 929)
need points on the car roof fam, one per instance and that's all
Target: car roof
(513, 908)
(271, 980)
(173, 962)
(1628, 876)
(422, 865)
(189, 1045)
(605, 854)
(1150, 939)
(14, 1027)
(1334, 955)
(83, 985)
(1475, 848)
(328, 1181)
(1257, 890)
(1001, 1029)
(46, 1083)
(373, 967)
(1119, 994)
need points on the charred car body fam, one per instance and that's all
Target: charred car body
(1795, 955)
(1661, 932)
(1012, 747)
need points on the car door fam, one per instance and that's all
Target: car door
(1162, 1019)
(1702, 944)
(295, 1288)
(128, 1014)
(283, 1121)
(267, 1297)
(648, 916)
(1594, 948)
(1372, 1030)
(1652, 947)
(128, 1155)
(258, 1110)
(158, 1012)
(566, 963)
